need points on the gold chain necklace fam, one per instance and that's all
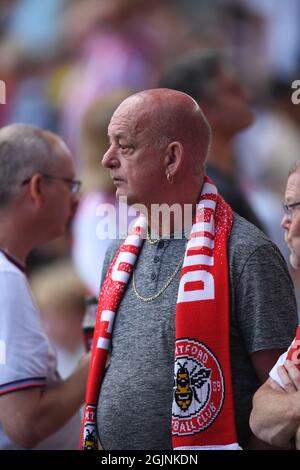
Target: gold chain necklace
(184, 234)
(152, 242)
(153, 297)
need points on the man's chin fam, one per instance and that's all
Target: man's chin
(124, 197)
(294, 261)
(120, 193)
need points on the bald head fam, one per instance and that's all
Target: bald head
(170, 115)
(157, 137)
(25, 150)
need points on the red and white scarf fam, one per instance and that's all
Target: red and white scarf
(202, 410)
(292, 354)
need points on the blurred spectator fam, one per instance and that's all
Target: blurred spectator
(281, 40)
(60, 296)
(116, 48)
(29, 44)
(263, 35)
(266, 152)
(207, 76)
(34, 25)
(37, 200)
(6, 10)
(30, 103)
(89, 246)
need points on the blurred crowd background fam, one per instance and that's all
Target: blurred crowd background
(67, 64)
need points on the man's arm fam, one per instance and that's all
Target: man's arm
(29, 416)
(262, 361)
(275, 416)
(266, 316)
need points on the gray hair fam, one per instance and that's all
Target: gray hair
(24, 150)
(294, 168)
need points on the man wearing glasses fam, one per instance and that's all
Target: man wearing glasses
(275, 416)
(291, 219)
(38, 196)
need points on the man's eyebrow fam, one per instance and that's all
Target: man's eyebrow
(288, 198)
(116, 135)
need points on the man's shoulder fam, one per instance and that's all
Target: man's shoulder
(246, 235)
(7, 266)
(247, 243)
(12, 280)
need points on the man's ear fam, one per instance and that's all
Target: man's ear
(35, 188)
(173, 158)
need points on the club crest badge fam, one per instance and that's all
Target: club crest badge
(198, 388)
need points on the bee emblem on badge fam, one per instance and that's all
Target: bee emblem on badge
(187, 384)
(90, 442)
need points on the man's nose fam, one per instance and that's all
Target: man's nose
(110, 159)
(286, 221)
(75, 199)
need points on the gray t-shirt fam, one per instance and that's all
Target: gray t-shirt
(134, 407)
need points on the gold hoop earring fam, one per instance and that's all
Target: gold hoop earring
(169, 178)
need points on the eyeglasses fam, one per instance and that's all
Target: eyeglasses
(289, 209)
(74, 185)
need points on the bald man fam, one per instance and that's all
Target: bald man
(38, 195)
(194, 311)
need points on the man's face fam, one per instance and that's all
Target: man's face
(230, 110)
(60, 202)
(136, 166)
(291, 222)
